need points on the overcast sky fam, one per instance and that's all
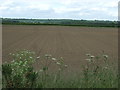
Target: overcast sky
(60, 9)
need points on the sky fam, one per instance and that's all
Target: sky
(60, 9)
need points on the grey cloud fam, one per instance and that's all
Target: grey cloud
(75, 10)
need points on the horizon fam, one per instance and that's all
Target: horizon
(59, 19)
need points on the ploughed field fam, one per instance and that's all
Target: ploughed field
(70, 42)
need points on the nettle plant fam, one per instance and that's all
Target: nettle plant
(20, 73)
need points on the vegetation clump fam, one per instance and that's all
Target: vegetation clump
(20, 73)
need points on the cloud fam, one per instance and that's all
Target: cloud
(69, 9)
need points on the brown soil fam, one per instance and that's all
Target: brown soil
(71, 43)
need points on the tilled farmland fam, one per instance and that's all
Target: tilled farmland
(70, 42)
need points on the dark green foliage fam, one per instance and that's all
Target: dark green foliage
(63, 22)
(19, 73)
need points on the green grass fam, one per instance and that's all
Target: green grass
(20, 73)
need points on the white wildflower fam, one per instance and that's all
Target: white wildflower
(24, 65)
(105, 67)
(88, 60)
(66, 65)
(58, 63)
(105, 56)
(20, 57)
(25, 62)
(54, 59)
(47, 55)
(38, 57)
(30, 57)
(41, 70)
(92, 56)
(61, 58)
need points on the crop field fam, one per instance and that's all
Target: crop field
(71, 43)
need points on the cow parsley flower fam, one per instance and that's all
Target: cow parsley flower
(54, 59)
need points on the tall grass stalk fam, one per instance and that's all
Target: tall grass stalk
(20, 73)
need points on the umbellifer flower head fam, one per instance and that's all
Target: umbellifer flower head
(58, 63)
(88, 60)
(54, 59)
(38, 57)
(41, 70)
(66, 65)
(105, 56)
(92, 56)
(47, 55)
(30, 57)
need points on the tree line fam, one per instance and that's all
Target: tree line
(64, 22)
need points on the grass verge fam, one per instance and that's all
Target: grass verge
(20, 73)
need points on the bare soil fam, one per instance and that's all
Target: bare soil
(71, 43)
